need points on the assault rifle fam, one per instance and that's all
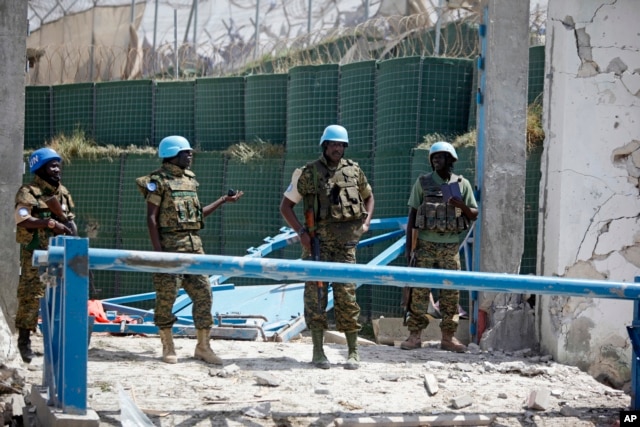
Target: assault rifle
(406, 291)
(309, 218)
(59, 214)
(56, 209)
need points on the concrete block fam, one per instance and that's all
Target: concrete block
(49, 416)
(431, 384)
(390, 331)
(335, 337)
(463, 401)
(539, 399)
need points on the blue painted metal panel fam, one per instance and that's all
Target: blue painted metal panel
(74, 358)
(65, 318)
(634, 336)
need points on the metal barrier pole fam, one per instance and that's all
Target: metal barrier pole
(286, 269)
(77, 258)
(65, 317)
(634, 336)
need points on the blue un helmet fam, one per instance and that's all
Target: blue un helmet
(170, 146)
(443, 147)
(41, 157)
(335, 133)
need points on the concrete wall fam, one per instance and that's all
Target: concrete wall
(13, 35)
(590, 204)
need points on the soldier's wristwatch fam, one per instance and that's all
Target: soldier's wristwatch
(51, 224)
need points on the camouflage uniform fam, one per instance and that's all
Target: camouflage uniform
(436, 250)
(339, 227)
(174, 190)
(30, 288)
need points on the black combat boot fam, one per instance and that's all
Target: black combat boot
(24, 345)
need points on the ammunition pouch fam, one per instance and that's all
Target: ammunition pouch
(434, 214)
(441, 217)
(339, 199)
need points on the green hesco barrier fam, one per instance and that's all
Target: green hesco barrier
(531, 200)
(73, 108)
(219, 112)
(536, 73)
(123, 113)
(210, 173)
(356, 97)
(311, 106)
(391, 182)
(265, 104)
(473, 101)
(256, 215)
(95, 189)
(397, 111)
(37, 129)
(174, 112)
(446, 85)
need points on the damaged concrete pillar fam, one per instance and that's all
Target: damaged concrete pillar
(13, 48)
(501, 167)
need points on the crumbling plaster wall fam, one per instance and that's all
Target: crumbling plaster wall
(590, 204)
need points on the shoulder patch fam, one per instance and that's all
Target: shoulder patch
(152, 186)
(23, 212)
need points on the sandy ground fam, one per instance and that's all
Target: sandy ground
(273, 384)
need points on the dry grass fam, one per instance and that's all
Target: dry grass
(79, 146)
(247, 152)
(535, 132)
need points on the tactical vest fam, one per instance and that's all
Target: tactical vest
(337, 198)
(180, 209)
(39, 238)
(434, 214)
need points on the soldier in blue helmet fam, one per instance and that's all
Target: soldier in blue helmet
(441, 207)
(174, 217)
(43, 208)
(338, 204)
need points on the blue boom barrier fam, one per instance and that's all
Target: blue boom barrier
(71, 258)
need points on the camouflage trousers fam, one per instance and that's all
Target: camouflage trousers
(196, 286)
(334, 247)
(30, 290)
(445, 256)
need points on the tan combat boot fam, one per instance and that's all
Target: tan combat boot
(168, 350)
(414, 341)
(203, 349)
(451, 343)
